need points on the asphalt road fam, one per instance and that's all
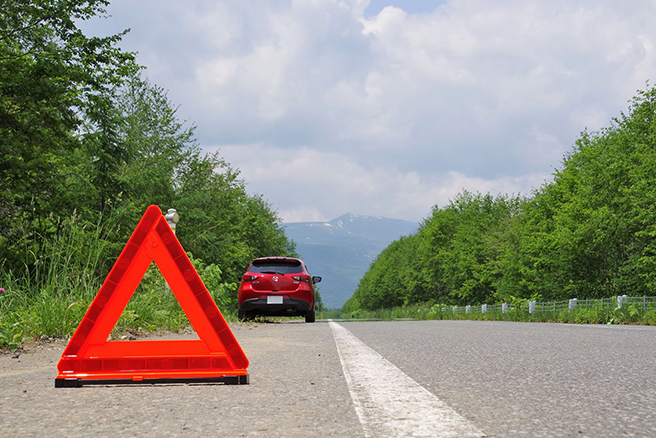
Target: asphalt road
(534, 380)
(505, 379)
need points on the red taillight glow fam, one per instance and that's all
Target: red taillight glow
(247, 277)
(305, 278)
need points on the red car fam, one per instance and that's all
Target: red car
(277, 286)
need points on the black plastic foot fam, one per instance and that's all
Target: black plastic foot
(77, 383)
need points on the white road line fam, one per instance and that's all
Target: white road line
(388, 402)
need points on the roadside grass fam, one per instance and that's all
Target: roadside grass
(596, 314)
(51, 297)
(330, 314)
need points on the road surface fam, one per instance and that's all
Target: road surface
(356, 379)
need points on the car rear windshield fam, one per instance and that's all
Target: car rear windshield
(277, 267)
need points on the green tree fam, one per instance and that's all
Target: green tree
(592, 229)
(462, 258)
(51, 74)
(86, 142)
(455, 257)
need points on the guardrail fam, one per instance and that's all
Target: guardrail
(643, 303)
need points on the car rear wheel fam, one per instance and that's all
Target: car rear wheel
(242, 315)
(310, 316)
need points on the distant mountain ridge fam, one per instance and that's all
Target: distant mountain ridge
(342, 249)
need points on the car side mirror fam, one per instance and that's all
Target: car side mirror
(316, 280)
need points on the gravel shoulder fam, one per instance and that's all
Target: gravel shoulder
(297, 389)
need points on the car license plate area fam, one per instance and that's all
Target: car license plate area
(274, 299)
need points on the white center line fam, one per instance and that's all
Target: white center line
(388, 402)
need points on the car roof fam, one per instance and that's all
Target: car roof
(278, 259)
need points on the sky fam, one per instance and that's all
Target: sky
(390, 107)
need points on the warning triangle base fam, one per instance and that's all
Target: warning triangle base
(78, 383)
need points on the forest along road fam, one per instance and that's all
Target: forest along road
(351, 379)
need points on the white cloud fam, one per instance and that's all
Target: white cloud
(387, 21)
(392, 112)
(338, 185)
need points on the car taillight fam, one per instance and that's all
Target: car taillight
(305, 278)
(247, 277)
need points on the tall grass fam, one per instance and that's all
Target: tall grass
(595, 314)
(50, 296)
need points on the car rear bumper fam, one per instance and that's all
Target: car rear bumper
(289, 307)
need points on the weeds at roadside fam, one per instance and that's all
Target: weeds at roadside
(51, 298)
(581, 315)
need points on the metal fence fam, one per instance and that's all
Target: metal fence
(642, 303)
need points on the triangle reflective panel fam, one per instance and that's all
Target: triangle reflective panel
(90, 359)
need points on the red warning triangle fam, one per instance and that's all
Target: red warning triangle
(90, 358)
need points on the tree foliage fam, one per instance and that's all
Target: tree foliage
(86, 142)
(590, 233)
(51, 77)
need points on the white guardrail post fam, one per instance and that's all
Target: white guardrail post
(647, 303)
(172, 217)
(621, 300)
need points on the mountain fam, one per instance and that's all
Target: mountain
(341, 250)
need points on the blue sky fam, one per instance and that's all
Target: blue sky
(389, 107)
(409, 6)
